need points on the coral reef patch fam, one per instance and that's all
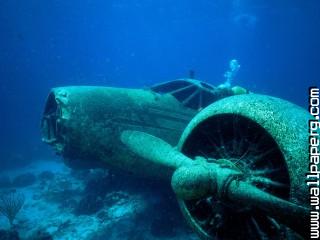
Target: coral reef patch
(61, 203)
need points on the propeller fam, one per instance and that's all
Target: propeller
(193, 179)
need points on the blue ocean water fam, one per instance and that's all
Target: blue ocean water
(137, 43)
(131, 43)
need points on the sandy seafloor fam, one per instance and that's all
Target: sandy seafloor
(52, 207)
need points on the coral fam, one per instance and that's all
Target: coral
(89, 204)
(115, 197)
(10, 205)
(60, 190)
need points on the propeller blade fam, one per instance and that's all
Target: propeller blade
(154, 149)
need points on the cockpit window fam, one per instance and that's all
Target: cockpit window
(190, 92)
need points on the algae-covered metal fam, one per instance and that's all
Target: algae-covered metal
(265, 138)
(239, 163)
(84, 123)
(202, 179)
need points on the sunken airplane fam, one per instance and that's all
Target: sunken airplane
(232, 158)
